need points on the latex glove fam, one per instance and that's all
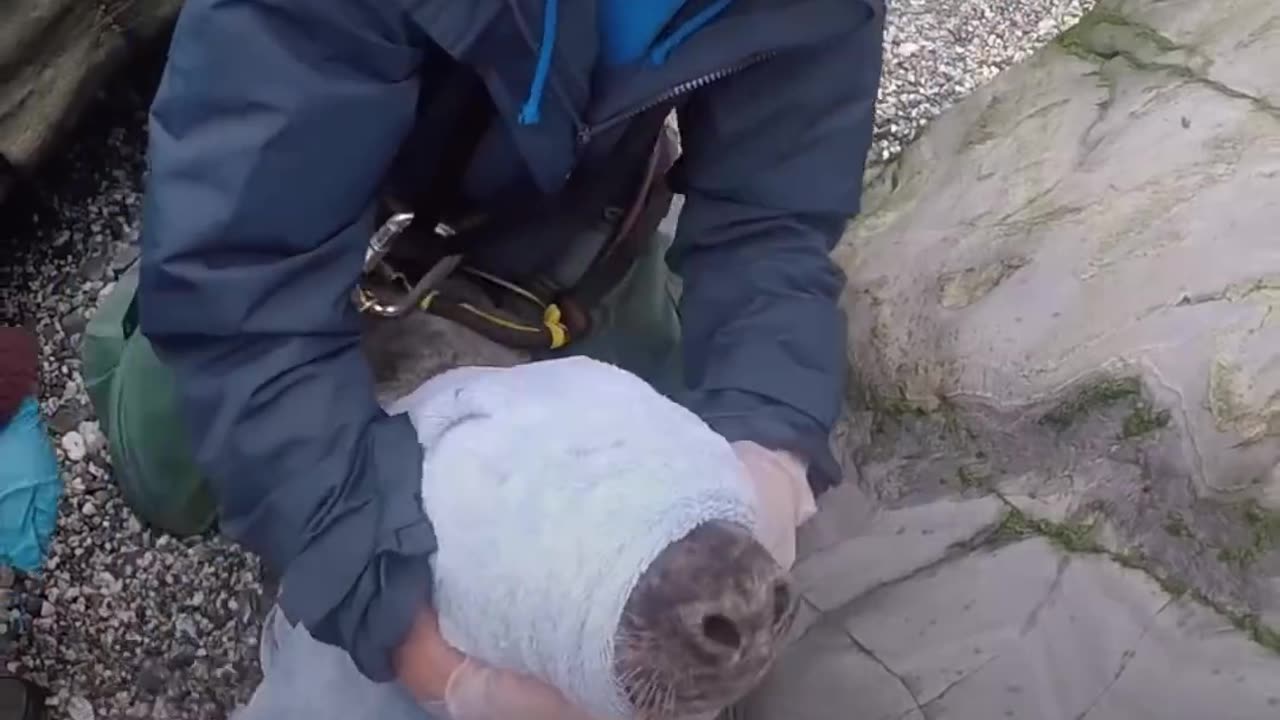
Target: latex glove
(785, 499)
(452, 686)
(478, 692)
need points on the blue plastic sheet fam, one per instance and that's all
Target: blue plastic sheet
(30, 486)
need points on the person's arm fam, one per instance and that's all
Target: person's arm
(772, 168)
(273, 126)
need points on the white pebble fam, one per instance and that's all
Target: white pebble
(79, 708)
(95, 442)
(73, 446)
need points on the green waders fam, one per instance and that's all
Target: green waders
(635, 327)
(133, 394)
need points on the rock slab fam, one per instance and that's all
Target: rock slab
(985, 624)
(1107, 208)
(54, 57)
(1063, 442)
(1063, 294)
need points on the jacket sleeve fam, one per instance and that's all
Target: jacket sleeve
(272, 128)
(771, 169)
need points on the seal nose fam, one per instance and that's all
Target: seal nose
(725, 634)
(721, 631)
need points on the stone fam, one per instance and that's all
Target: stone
(1068, 191)
(55, 55)
(68, 416)
(1061, 330)
(74, 322)
(885, 547)
(94, 440)
(1021, 629)
(1062, 296)
(79, 708)
(1212, 667)
(124, 257)
(822, 671)
(73, 445)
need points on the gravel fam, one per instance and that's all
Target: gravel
(939, 51)
(126, 622)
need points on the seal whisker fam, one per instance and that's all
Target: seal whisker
(702, 624)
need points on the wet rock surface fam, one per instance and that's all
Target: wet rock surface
(1063, 435)
(1085, 322)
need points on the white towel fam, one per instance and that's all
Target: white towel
(552, 486)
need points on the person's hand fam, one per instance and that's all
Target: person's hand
(476, 691)
(453, 686)
(425, 661)
(785, 500)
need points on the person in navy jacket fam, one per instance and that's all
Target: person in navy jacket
(278, 121)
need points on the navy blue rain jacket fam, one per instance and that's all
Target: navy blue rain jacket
(274, 127)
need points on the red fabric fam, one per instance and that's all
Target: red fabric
(19, 369)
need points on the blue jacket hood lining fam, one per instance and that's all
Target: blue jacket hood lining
(531, 111)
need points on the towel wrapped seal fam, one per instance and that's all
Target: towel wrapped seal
(595, 535)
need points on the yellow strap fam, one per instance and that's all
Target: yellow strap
(550, 319)
(551, 316)
(559, 333)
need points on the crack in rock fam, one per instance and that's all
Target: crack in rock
(1234, 292)
(1125, 659)
(1034, 616)
(1080, 44)
(981, 539)
(864, 649)
(954, 684)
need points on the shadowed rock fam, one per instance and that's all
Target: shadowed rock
(54, 56)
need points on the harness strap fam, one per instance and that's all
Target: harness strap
(554, 316)
(552, 334)
(566, 315)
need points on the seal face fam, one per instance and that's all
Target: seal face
(703, 624)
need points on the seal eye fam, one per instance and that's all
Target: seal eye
(721, 630)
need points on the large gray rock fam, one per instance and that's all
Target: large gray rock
(1021, 630)
(1063, 294)
(1109, 206)
(54, 55)
(1063, 444)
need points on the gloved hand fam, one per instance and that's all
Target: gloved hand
(452, 686)
(785, 498)
(476, 691)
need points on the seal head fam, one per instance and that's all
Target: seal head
(703, 624)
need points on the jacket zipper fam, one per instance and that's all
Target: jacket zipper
(587, 132)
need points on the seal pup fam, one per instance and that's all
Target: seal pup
(705, 620)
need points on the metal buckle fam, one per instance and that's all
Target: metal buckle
(375, 268)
